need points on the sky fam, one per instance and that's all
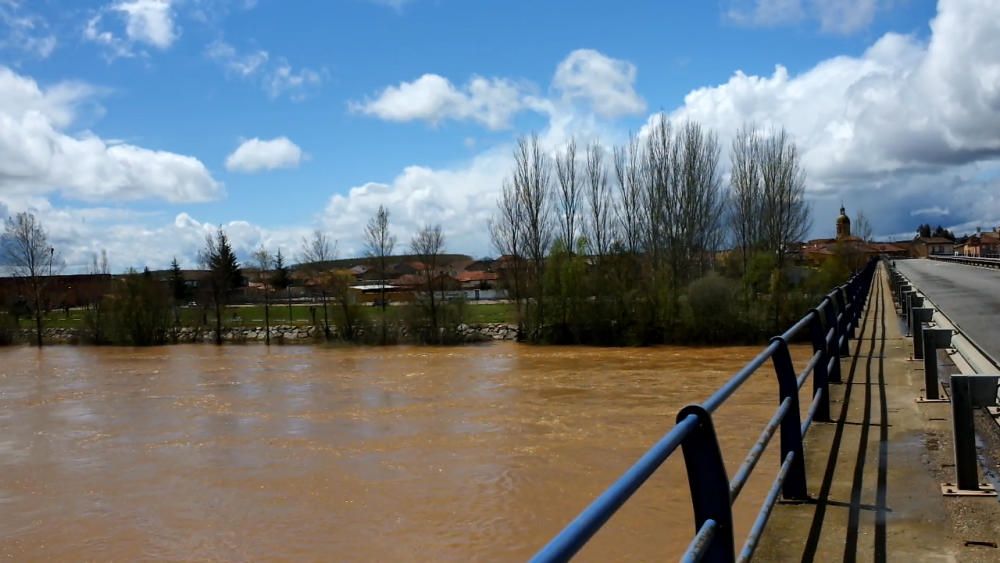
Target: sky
(140, 126)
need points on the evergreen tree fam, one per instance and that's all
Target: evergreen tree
(281, 280)
(178, 288)
(224, 275)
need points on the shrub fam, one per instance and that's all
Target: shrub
(712, 308)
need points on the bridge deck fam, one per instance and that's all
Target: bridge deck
(969, 295)
(874, 474)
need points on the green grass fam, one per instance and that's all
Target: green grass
(489, 313)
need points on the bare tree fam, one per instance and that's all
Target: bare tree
(628, 172)
(380, 243)
(682, 202)
(428, 245)
(95, 305)
(569, 195)
(863, 227)
(317, 251)
(599, 226)
(532, 183)
(746, 201)
(507, 235)
(784, 213)
(697, 226)
(264, 261)
(31, 258)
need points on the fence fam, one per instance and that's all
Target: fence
(830, 326)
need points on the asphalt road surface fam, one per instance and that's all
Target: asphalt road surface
(969, 295)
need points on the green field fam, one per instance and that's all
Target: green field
(253, 315)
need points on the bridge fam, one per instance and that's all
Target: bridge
(874, 462)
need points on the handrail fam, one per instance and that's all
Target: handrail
(831, 325)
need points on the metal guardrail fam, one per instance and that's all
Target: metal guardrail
(830, 326)
(971, 260)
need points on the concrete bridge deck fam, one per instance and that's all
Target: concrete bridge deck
(969, 295)
(874, 474)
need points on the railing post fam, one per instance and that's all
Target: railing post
(844, 325)
(820, 375)
(794, 486)
(832, 348)
(709, 484)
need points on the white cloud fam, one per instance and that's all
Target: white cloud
(607, 84)
(255, 155)
(38, 156)
(433, 98)
(276, 76)
(844, 16)
(26, 32)
(283, 79)
(128, 236)
(148, 21)
(462, 199)
(834, 16)
(935, 211)
(242, 65)
(903, 105)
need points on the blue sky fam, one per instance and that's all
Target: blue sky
(126, 119)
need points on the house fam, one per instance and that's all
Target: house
(479, 284)
(981, 245)
(891, 249)
(932, 246)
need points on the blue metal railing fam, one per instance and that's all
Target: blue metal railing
(830, 326)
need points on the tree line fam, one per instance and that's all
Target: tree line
(138, 309)
(625, 246)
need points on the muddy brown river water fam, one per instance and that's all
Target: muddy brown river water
(352, 454)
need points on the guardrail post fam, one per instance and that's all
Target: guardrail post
(821, 377)
(709, 484)
(901, 297)
(967, 392)
(919, 316)
(794, 486)
(913, 301)
(906, 307)
(934, 338)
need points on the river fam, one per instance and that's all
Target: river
(352, 454)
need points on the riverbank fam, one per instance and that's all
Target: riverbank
(280, 334)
